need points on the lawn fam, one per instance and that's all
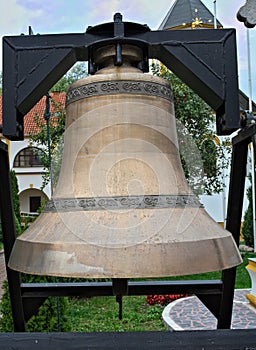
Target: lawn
(101, 313)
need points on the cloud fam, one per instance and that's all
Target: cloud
(13, 17)
(143, 11)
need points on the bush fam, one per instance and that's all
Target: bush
(51, 317)
(18, 228)
(47, 317)
(247, 230)
(15, 195)
(6, 322)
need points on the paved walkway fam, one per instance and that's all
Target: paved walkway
(191, 314)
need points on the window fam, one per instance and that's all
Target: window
(28, 157)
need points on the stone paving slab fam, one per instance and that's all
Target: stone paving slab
(191, 314)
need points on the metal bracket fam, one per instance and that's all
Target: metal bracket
(205, 60)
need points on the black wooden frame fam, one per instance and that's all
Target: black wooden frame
(205, 60)
(208, 340)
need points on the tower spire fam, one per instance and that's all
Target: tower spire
(189, 14)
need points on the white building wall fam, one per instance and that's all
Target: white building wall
(27, 177)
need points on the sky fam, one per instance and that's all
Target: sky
(65, 16)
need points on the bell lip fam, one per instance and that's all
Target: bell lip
(18, 269)
(234, 259)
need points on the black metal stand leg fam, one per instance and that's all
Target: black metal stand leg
(119, 300)
(9, 233)
(234, 215)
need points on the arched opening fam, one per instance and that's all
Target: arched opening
(29, 157)
(31, 200)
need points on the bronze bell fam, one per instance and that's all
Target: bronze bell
(122, 207)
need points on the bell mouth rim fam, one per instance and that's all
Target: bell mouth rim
(176, 265)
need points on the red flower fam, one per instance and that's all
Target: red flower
(163, 299)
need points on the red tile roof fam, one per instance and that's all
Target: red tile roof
(30, 126)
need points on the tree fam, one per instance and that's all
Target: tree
(40, 140)
(15, 195)
(247, 230)
(202, 158)
(78, 71)
(57, 126)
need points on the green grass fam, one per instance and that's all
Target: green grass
(100, 314)
(242, 276)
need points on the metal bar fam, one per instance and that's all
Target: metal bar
(33, 294)
(230, 119)
(234, 216)
(119, 300)
(215, 16)
(31, 306)
(245, 135)
(9, 234)
(42, 290)
(13, 121)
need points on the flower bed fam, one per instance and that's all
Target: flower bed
(163, 299)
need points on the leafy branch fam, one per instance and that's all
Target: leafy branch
(203, 159)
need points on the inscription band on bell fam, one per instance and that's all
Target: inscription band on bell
(122, 202)
(119, 87)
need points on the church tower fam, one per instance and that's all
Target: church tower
(189, 14)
